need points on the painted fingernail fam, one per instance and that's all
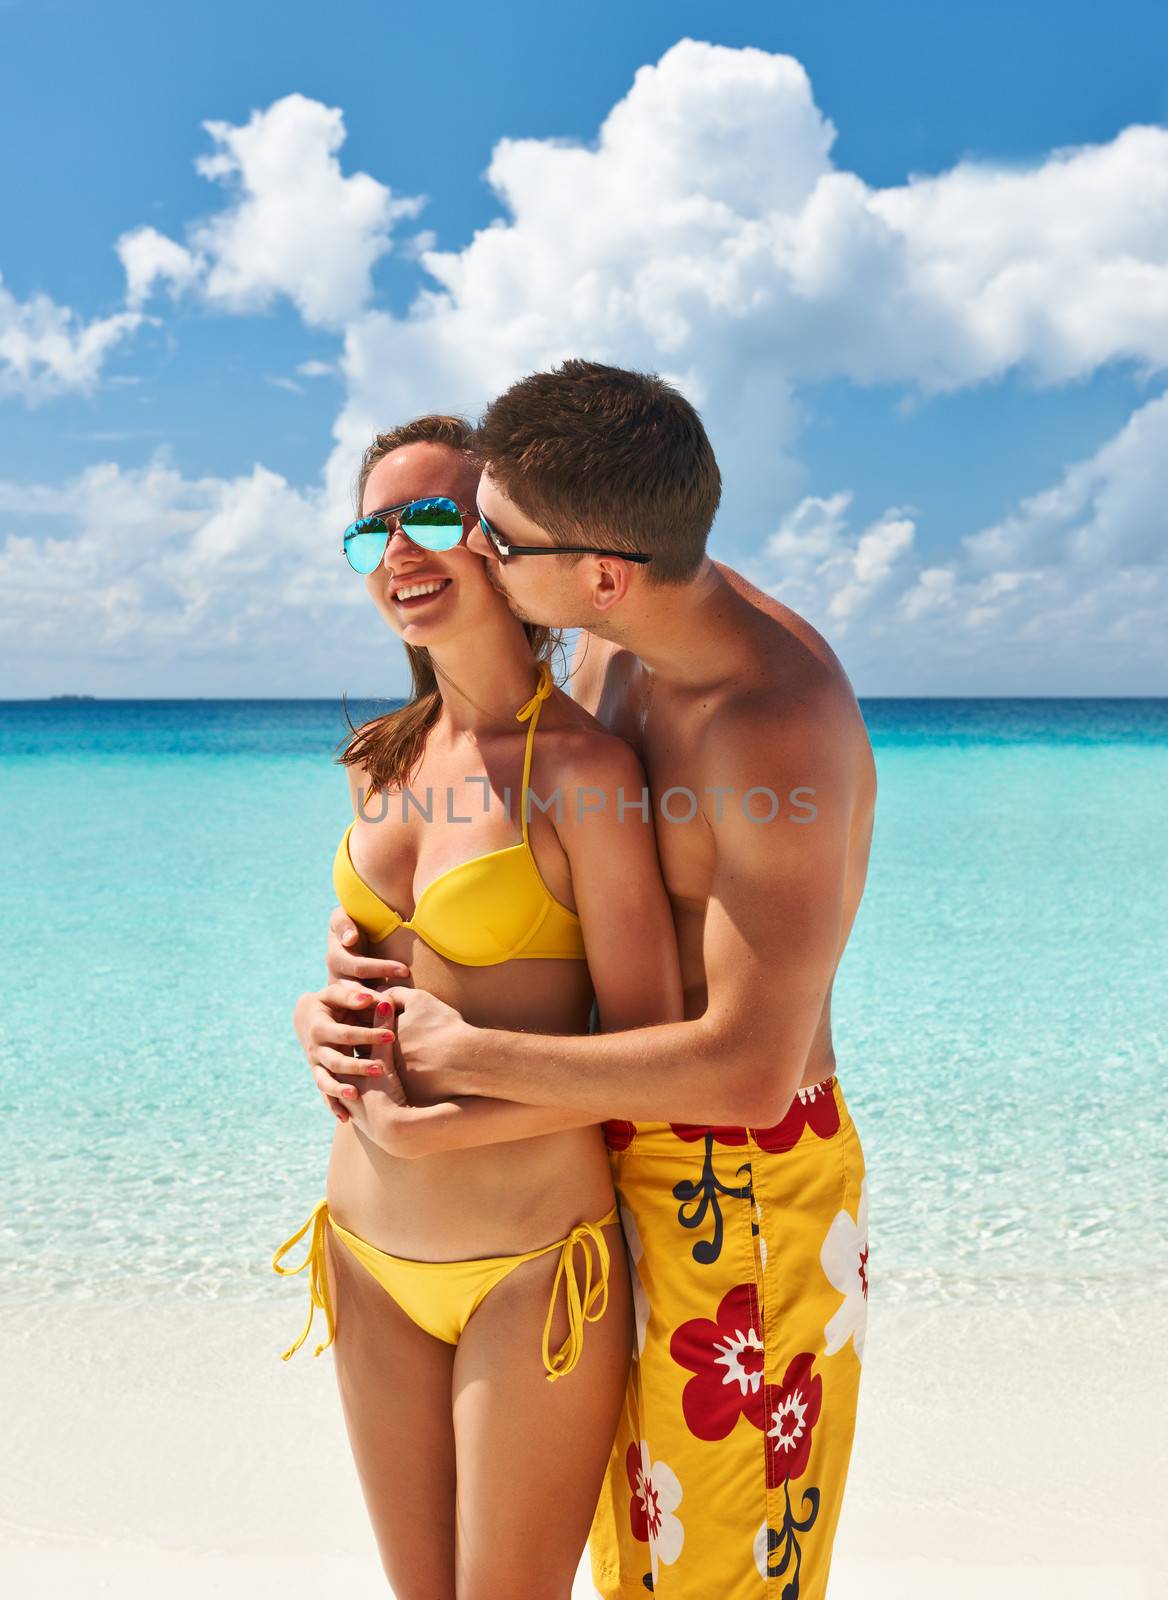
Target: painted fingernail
(383, 1010)
(364, 999)
(374, 1069)
(349, 1092)
(387, 1038)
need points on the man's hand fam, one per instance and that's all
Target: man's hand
(328, 1041)
(433, 1045)
(347, 956)
(385, 1116)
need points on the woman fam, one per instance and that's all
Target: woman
(461, 1286)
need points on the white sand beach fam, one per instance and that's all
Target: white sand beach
(169, 1450)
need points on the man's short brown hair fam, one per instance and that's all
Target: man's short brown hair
(598, 455)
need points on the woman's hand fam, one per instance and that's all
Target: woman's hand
(327, 1041)
(317, 1015)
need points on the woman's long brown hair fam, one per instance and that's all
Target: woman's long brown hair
(390, 747)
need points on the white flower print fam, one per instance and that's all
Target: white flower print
(844, 1258)
(787, 1422)
(730, 1350)
(657, 1494)
(635, 1253)
(760, 1551)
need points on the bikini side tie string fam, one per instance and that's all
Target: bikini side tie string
(318, 1285)
(580, 1306)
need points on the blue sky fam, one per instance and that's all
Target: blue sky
(952, 467)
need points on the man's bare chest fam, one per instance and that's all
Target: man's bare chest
(669, 740)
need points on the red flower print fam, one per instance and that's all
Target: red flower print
(689, 1131)
(726, 1358)
(790, 1412)
(641, 1504)
(619, 1135)
(643, 1511)
(814, 1108)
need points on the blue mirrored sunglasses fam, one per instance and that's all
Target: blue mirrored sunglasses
(433, 523)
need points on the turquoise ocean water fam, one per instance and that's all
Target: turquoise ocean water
(1000, 1015)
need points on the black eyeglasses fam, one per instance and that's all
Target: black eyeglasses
(504, 549)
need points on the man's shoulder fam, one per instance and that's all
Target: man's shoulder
(791, 637)
(799, 735)
(798, 697)
(594, 660)
(769, 722)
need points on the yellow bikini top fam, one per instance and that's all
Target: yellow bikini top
(492, 908)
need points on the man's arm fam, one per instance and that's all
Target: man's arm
(403, 1129)
(771, 945)
(384, 1115)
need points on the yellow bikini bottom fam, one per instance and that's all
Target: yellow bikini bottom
(442, 1296)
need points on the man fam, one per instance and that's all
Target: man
(740, 1172)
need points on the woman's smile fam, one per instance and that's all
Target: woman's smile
(412, 592)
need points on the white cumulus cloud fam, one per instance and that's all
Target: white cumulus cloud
(295, 225)
(1111, 509)
(47, 349)
(706, 234)
(826, 571)
(1069, 593)
(242, 577)
(149, 257)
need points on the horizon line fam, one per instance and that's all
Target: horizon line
(88, 699)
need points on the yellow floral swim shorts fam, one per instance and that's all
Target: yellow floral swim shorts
(749, 1257)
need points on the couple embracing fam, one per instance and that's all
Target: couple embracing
(592, 1257)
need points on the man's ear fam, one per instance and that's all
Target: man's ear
(610, 583)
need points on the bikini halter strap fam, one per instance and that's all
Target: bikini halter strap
(543, 689)
(529, 712)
